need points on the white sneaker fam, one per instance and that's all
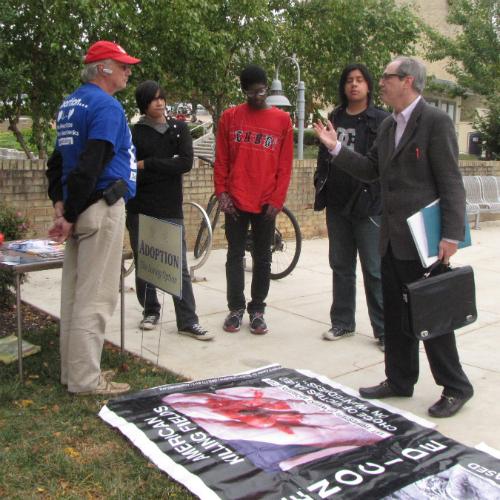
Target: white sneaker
(336, 333)
(148, 322)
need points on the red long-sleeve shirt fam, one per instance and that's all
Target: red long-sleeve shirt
(254, 156)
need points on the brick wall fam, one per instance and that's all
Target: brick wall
(198, 187)
(469, 167)
(23, 185)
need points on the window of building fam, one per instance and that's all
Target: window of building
(448, 107)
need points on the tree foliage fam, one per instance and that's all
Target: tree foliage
(474, 58)
(489, 126)
(194, 48)
(41, 49)
(474, 53)
(199, 46)
(327, 35)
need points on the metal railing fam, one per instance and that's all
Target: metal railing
(207, 129)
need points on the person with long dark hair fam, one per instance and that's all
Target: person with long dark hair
(352, 207)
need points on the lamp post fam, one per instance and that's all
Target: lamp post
(277, 98)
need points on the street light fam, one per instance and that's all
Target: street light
(277, 98)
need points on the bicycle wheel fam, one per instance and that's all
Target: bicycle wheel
(196, 218)
(202, 238)
(286, 245)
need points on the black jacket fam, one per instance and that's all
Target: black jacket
(353, 197)
(166, 158)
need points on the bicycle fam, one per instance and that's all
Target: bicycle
(285, 247)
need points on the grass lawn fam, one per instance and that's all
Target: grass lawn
(53, 444)
(8, 140)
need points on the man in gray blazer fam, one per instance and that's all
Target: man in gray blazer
(415, 156)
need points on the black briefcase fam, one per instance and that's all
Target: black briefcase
(439, 304)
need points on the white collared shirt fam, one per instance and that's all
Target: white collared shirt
(402, 120)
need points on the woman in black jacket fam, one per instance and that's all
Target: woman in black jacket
(164, 153)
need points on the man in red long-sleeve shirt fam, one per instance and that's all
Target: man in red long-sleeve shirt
(253, 166)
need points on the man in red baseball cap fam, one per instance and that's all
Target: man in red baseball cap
(108, 50)
(92, 173)
(108, 66)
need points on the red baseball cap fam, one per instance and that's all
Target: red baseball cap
(108, 50)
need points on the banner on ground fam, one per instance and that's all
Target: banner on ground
(288, 434)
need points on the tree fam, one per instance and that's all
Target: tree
(204, 44)
(41, 47)
(489, 126)
(195, 48)
(326, 35)
(474, 53)
(42, 43)
(474, 57)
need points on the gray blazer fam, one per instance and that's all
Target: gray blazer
(422, 168)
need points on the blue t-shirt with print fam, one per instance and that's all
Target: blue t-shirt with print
(90, 113)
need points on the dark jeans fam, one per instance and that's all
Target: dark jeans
(236, 234)
(185, 308)
(401, 349)
(347, 236)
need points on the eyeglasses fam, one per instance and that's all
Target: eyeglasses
(255, 93)
(387, 76)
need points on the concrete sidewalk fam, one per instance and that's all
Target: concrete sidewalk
(297, 314)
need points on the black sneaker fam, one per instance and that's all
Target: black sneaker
(149, 322)
(336, 333)
(233, 320)
(258, 323)
(197, 332)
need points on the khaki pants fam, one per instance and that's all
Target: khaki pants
(89, 292)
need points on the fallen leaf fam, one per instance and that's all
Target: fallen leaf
(63, 484)
(24, 403)
(71, 452)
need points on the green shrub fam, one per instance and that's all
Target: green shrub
(310, 138)
(196, 133)
(13, 226)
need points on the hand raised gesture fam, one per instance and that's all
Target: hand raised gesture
(326, 135)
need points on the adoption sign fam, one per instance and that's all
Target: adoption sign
(277, 433)
(159, 251)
